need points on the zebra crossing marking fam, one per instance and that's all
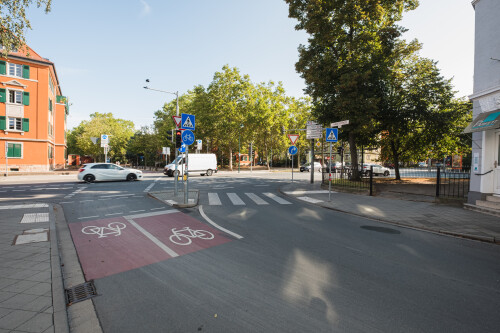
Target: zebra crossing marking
(235, 199)
(256, 199)
(214, 200)
(276, 198)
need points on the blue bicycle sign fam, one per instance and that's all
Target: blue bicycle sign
(187, 137)
(292, 150)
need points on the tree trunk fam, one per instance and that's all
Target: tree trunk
(354, 157)
(230, 158)
(395, 157)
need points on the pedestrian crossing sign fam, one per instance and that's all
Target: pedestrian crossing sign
(332, 134)
(187, 121)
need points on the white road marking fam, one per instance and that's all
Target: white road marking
(255, 198)
(213, 199)
(157, 208)
(235, 199)
(155, 240)
(309, 199)
(137, 211)
(35, 218)
(25, 206)
(87, 217)
(66, 201)
(302, 192)
(115, 195)
(202, 213)
(113, 214)
(163, 212)
(276, 198)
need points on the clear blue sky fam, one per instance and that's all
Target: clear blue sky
(104, 50)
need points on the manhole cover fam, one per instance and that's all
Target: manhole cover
(381, 229)
(80, 292)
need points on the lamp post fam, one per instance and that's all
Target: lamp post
(177, 113)
(239, 147)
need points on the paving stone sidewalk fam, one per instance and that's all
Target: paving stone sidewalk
(428, 216)
(31, 291)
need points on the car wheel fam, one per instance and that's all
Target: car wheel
(209, 172)
(131, 177)
(386, 173)
(89, 178)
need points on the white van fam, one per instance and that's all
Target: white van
(205, 164)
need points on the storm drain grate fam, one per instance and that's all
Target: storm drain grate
(80, 292)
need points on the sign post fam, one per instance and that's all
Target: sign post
(292, 150)
(188, 124)
(104, 144)
(332, 135)
(313, 131)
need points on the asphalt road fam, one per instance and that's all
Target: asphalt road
(248, 259)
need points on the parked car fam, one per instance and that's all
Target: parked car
(307, 167)
(422, 165)
(336, 167)
(91, 172)
(377, 169)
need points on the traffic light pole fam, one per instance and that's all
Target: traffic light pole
(312, 161)
(176, 149)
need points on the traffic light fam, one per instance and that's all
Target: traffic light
(178, 139)
(170, 137)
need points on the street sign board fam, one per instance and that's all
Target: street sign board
(340, 123)
(293, 138)
(104, 140)
(313, 130)
(292, 150)
(187, 137)
(198, 144)
(332, 134)
(177, 121)
(188, 121)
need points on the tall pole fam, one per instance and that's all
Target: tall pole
(312, 161)
(186, 173)
(330, 175)
(176, 149)
(239, 151)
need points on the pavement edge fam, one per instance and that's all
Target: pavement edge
(82, 316)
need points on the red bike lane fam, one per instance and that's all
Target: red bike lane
(114, 245)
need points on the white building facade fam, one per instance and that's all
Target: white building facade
(485, 127)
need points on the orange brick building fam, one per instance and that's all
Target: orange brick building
(33, 114)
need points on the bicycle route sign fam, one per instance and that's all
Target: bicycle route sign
(187, 137)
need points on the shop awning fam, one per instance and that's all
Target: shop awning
(485, 121)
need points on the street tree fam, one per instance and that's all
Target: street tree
(118, 130)
(14, 22)
(341, 65)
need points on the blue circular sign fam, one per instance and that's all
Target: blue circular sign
(292, 150)
(182, 149)
(187, 137)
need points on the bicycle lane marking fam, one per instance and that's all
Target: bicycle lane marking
(114, 245)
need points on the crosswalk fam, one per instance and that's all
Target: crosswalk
(217, 199)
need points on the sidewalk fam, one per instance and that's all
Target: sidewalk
(426, 216)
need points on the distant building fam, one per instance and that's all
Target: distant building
(485, 174)
(33, 114)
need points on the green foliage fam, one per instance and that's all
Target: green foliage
(14, 22)
(147, 143)
(119, 131)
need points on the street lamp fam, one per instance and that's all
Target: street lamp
(177, 114)
(239, 147)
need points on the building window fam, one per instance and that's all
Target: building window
(16, 70)
(15, 96)
(14, 150)
(16, 124)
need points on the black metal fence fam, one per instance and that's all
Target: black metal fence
(449, 182)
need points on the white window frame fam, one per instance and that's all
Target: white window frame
(16, 121)
(16, 94)
(22, 149)
(17, 69)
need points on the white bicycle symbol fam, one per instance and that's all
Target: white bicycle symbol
(183, 236)
(188, 138)
(113, 228)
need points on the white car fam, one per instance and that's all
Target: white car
(377, 169)
(307, 167)
(91, 172)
